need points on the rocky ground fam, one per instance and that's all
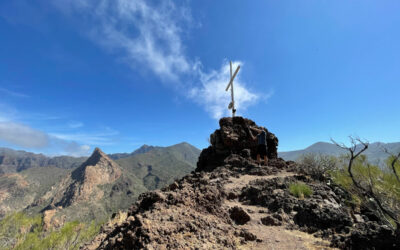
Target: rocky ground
(233, 203)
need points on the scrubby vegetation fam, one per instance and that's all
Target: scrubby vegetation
(317, 165)
(370, 185)
(382, 183)
(20, 231)
(300, 190)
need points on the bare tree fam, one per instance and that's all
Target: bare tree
(356, 148)
(393, 160)
(353, 154)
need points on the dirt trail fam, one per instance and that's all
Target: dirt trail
(243, 180)
(272, 237)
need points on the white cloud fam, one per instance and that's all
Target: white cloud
(22, 135)
(13, 132)
(70, 148)
(211, 94)
(145, 34)
(149, 35)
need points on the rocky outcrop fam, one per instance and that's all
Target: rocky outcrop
(230, 202)
(234, 137)
(83, 183)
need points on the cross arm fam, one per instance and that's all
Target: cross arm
(233, 77)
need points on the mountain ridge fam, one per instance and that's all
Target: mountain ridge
(374, 153)
(14, 161)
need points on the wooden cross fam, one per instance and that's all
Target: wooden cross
(230, 84)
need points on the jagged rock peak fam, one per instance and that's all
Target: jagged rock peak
(82, 184)
(95, 157)
(98, 162)
(234, 136)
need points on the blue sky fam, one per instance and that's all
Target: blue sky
(75, 75)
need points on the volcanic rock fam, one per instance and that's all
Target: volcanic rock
(210, 207)
(239, 215)
(234, 137)
(270, 221)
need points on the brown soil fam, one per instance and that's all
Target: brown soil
(270, 237)
(243, 180)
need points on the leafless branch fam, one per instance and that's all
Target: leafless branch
(370, 179)
(354, 153)
(395, 159)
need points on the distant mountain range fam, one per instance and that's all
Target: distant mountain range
(143, 149)
(374, 153)
(12, 161)
(89, 188)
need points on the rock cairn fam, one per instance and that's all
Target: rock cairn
(234, 137)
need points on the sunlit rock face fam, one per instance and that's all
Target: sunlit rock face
(82, 184)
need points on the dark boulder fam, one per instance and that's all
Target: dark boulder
(239, 216)
(234, 137)
(270, 221)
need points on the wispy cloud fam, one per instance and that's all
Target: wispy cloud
(22, 135)
(75, 124)
(146, 35)
(211, 94)
(15, 131)
(98, 138)
(7, 113)
(71, 148)
(12, 93)
(152, 35)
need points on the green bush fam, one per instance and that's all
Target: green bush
(20, 231)
(300, 189)
(381, 181)
(317, 165)
(14, 228)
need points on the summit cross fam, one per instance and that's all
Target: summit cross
(230, 84)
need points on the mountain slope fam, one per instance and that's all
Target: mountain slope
(96, 189)
(12, 161)
(19, 190)
(161, 165)
(374, 152)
